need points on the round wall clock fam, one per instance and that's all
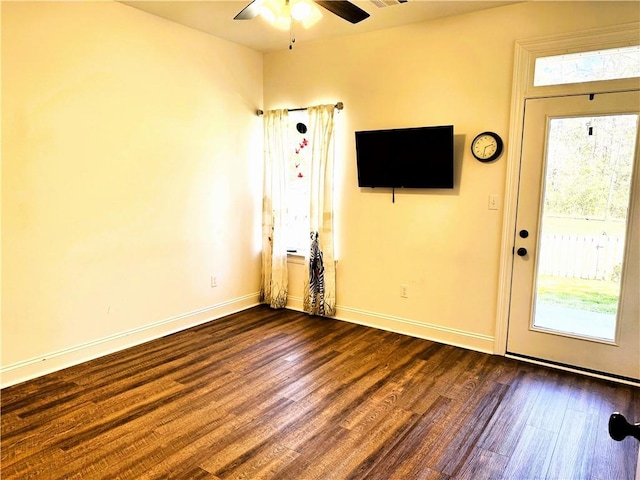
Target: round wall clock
(487, 146)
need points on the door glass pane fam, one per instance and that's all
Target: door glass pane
(608, 64)
(583, 224)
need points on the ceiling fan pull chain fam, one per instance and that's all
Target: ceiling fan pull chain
(292, 37)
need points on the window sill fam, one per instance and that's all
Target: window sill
(295, 258)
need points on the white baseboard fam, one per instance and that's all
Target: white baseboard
(436, 333)
(52, 362)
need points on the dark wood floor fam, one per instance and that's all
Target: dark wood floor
(279, 394)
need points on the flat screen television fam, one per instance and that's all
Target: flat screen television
(419, 157)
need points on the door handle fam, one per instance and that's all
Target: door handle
(521, 252)
(619, 427)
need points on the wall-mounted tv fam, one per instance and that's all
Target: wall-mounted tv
(419, 157)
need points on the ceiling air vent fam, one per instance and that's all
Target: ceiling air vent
(387, 3)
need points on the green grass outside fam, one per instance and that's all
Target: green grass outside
(590, 295)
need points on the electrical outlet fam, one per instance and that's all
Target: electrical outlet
(404, 291)
(494, 201)
(214, 281)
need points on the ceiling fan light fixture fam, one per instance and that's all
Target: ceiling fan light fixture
(312, 13)
(277, 13)
(300, 10)
(280, 13)
(267, 12)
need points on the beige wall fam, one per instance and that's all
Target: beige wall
(131, 173)
(445, 245)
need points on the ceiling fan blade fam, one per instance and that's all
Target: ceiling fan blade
(344, 9)
(250, 11)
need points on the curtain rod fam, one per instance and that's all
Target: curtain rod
(337, 106)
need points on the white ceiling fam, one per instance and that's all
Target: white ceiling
(216, 18)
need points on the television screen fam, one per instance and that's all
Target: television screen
(406, 158)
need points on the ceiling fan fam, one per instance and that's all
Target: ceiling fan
(342, 8)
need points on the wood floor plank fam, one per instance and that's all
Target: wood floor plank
(550, 406)
(464, 431)
(277, 394)
(483, 464)
(66, 423)
(532, 455)
(577, 433)
(350, 455)
(108, 443)
(501, 436)
(180, 452)
(266, 463)
(238, 446)
(410, 455)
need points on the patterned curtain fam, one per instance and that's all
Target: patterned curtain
(273, 289)
(320, 283)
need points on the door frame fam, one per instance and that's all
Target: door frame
(526, 53)
(528, 337)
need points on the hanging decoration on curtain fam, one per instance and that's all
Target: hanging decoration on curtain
(274, 280)
(302, 144)
(320, 283)
(316, 278)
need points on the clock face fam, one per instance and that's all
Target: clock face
(486, 147)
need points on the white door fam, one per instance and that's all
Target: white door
(575, 290)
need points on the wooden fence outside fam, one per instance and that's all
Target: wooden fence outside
(577, 256)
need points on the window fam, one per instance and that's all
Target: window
(297, 219)
(610, 64)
